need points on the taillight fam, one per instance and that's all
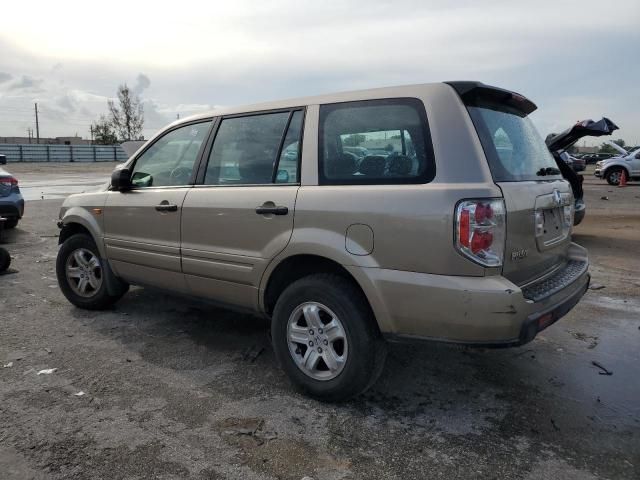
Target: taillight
(480, 230)
(10, 183)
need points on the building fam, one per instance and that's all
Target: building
(46, 141)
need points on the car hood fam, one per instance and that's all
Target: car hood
(585, 128)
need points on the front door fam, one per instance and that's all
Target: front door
(635, 165)
(142, 225)
(241, 215)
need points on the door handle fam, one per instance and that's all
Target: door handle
(166, 207)
(274, 210)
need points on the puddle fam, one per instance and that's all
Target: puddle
(613, 303)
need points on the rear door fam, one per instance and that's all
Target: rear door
(142, 225)
(240, 215)
(538, 201)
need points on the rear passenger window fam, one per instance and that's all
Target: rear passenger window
(250, 150)
(375, 142)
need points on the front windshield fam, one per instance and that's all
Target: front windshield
(512, 145)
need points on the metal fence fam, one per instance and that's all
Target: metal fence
(62, 153)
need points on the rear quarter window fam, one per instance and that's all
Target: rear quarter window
(375, 142)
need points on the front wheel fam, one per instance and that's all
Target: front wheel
(81, 274)
(614, 175)
(325, 337)
(13, 223)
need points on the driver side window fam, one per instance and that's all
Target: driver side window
(170, 160)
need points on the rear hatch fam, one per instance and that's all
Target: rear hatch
(538, 201)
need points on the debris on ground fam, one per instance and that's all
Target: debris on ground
(590, 339)
(48, 350)
(242, 426)
(604, 197)
(596, 286)
(47, 371)
(79, 394)
(8, 365)
(252, 353)
(555, 382)
(604, 370)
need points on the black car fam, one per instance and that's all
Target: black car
(592, 158)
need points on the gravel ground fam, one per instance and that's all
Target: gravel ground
(175, 388)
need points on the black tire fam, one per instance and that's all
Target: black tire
(613, 175)
(5, 260)
(366, 348)
(13, 223)
(100, 298)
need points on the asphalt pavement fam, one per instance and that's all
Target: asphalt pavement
(169, 387)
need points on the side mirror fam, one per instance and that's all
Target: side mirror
(121, 179)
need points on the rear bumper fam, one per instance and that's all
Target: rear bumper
(12, 206)
(483, 311)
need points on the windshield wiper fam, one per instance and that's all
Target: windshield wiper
(547, 171)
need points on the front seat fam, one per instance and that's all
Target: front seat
(400, 165)
(341, 165)
(372, 166)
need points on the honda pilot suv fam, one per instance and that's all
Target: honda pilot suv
(461, 232)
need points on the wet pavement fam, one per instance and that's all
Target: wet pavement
(49, 181)
(175, 388)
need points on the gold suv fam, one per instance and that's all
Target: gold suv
(426, 212)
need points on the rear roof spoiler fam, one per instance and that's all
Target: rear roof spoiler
(471, 92)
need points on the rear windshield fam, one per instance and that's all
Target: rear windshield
(512, 145)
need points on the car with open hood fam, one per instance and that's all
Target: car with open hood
(612, 169)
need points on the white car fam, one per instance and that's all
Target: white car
(611, 169)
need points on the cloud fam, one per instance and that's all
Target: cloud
(284, 48)
(5, 77)
(67, 103)
(27, 82)
(142, 83)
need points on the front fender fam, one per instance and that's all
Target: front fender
(90, 221)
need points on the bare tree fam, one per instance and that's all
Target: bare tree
(127, 116)
(103, 132)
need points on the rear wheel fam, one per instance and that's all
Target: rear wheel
(325, 338)
(81, 274)
(5, 260)
(614, 175)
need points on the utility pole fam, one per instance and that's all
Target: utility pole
(177, 116)
(29, 134)
(91, 129)
(37, 125)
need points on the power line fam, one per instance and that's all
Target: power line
(37, 125)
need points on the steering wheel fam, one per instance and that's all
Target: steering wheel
(180, 175)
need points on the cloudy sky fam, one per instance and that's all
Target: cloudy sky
(575, 59)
